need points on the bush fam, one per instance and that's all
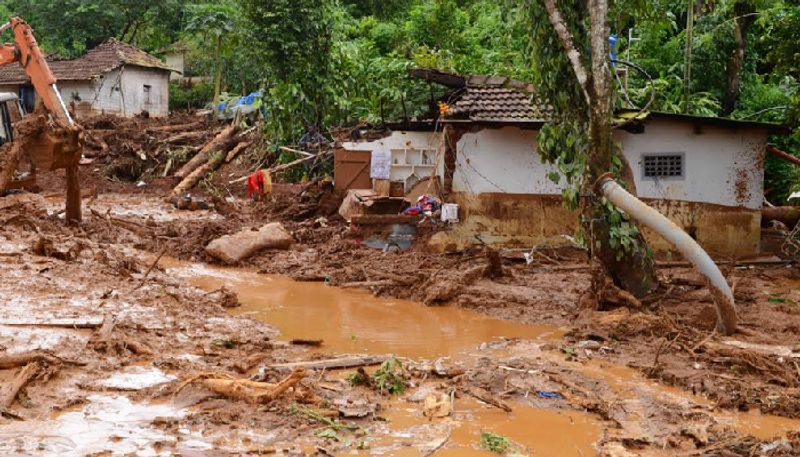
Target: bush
(187, 97)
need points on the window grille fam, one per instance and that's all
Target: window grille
(663, 166)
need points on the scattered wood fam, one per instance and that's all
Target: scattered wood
(19, 360)
(65, 322)
(22, 378)
(332, 364)
(152, 265)
(195, 176)
(368, 284)
(302, 342)
(285, 166)
(236, 150)
(296, 151)
(177, 128)
(202, 156)
(244, 389)
(137, 347)
(486, 397)
(184, 137)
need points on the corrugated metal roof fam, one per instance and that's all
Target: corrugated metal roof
(106, 57)
(499, 99)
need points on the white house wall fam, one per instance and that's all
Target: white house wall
(722, 166)
(501, 160)
(133, 81)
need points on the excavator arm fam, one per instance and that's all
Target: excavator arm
(26, 51)
(49, 144)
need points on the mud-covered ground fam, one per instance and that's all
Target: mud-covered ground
(110, 333)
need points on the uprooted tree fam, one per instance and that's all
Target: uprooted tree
(572, 57)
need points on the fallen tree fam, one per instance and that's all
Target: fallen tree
(205, 152)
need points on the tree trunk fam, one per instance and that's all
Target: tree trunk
(743, 18)
(218, 71)
(633, 271)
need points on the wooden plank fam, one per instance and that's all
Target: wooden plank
(332, 364)
(69, 322)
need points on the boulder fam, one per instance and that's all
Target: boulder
(241, 245)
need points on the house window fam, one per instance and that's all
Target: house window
(146, 91)
(662, 166)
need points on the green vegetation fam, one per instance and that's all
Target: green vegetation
(498, 444)
(391, 377)
(340, 62)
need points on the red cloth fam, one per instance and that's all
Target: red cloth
(255, 184)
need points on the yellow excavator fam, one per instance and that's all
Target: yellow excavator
(48, 139)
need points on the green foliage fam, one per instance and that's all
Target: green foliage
(498, 444)
(196, 96)
(391, 377)
(70, 27)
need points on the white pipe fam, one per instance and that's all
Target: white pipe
(686, 245)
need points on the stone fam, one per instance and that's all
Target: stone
(241, 245)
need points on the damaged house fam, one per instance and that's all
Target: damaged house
(705, 174)
(113, 78)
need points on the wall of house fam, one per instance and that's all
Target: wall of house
(175, 60)
(506, 197)
(134, 80)
(722, 166)
(398, 141)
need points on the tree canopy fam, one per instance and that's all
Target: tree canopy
(336, 62)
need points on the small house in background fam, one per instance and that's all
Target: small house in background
(113, 78)
(177, 58)
(705, 174)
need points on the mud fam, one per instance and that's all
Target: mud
(578, 381)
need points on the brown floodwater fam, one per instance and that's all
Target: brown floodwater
(353, 321)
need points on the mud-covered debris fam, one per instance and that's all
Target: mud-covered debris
(350, 407)
(244, 389)
(241, 245)
(438, 405)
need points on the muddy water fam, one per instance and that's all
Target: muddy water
(356, 322)
(350, 321)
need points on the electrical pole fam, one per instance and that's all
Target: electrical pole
(687, 59)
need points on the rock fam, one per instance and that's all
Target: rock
(589, 344)
(243, 244)
(698, 432)
(437, 405)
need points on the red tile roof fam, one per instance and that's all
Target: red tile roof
(500, 99)
(106, 57)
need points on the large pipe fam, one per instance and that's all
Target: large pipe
(657, 222)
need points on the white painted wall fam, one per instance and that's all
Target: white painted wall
(723, 166)
(133, 81)
(117, 92)
(501, 160)
(398, 140)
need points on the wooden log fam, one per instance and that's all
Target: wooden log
(195, 176)
(22, 378)
(783, 155)
(235, 151)
(285, 166)
(18, 360)
(177, 127)
(183, 137)
(788, 215)
(202, 156)
(332, 364)
(486, 397)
